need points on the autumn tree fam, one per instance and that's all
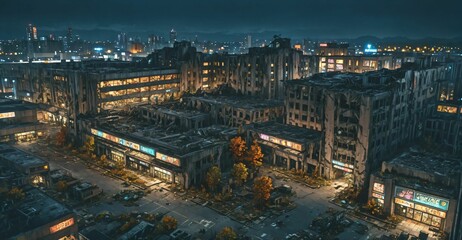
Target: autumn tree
(254, 156)
(168, 224)
(61, 136)
(89, 145)
(16, 194)
(262, 187)
(213, 178)
(103, 160)
(227, 233)
(238, 148)
(61, 186)
(239, 173)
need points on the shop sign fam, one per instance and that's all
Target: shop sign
(62, 225)
(282, 142)
(7, 115)
(147, 150)
(404, 193)
(378, 187)
(430, 211)
(422, 198)
(404, 203)
(378, 195)
(123, 142)
(343, 168)
(431, 201)
(342, 164)
(168, 159)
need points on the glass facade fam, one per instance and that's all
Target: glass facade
(420, 207)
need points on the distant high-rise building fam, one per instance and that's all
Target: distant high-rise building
(31, 32)
(122, 41)
(70, 38)
(248, 41)
(173, 36)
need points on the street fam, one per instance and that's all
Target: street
(191, 216)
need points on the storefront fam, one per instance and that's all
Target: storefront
(138, 164)
(421, 207)
(163, 174)
(378, 193)
(117, 156)
(25, 136)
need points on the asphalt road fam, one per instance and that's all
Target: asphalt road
(192, 217)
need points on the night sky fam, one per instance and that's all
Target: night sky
(230, 19)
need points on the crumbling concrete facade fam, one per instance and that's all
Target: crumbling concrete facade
(365, 117)
(236, 111)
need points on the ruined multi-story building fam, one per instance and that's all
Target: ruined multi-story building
(181, 157)
(365, 117)
(67, 90)
(261, 72)
(356, 63)
(236, 111)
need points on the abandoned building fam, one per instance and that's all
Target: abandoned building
(287, 146)
(235, 111)
(365, 117)
(176, 157)
(421, 186)
(38, 217)
(260, 72)
(68, 89)
(174, 115)
(35, 170)
(19, 121)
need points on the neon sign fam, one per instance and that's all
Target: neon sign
(62, 225)
(370, 49)
(123, 142)
(335, 162)
(7, 115)
(431, 201)
(343, 168)
(168, 159)
(422, 198)
(282, 142)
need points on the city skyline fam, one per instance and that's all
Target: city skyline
(229, 21)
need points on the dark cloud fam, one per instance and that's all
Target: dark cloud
(226, 18)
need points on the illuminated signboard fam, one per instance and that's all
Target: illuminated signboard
(323, 44)
(370, 49)
(343, 168)
(431, 201)
(404, 203)
(422, 198)
(430, 210)
(62, 225)
(123, 142)
(147, 150)
(342, 164)
(165, 158)
(7, 115)
(282, 142)
(404, 193)
(378, 187)
(378, 195)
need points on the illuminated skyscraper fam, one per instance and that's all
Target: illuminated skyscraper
(172, 36)
(31, 32)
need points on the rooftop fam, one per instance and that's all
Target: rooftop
(243, 102)
(175, 109)
(428, 162)
(167, 141)
(35, 210)
(20, 158)
(287, 132)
